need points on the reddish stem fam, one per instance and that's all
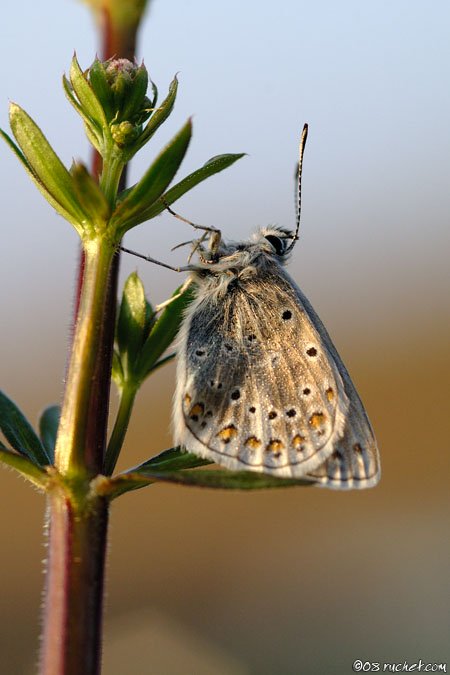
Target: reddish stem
(74, 592)
(117, 41)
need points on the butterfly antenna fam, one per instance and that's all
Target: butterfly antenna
(303, 138)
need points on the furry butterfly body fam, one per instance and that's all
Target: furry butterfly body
(260, 385)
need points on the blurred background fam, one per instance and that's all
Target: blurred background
(282, 581)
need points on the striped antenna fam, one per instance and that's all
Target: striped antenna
(303, 138)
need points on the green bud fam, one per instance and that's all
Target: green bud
(125, 133)
(128, 83)
(121, 87)
(118, 69)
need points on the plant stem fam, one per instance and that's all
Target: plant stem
(74, 590)
(127, 396)
(78, 448)
(110, 177)
(77, 520)
(72, 618)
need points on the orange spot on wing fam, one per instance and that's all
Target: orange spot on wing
(275, 446)
(196, 410)
(252, 442)
(227, 433)
(297, 441)
(316, 420)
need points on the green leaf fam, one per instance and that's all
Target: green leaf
(154, 181)
(132, 320)
(214, 478)
(150, 317)
(161, 113)
(170, 460)
(135, 96)
(212, 166)
(21, 157)
(23, 465)
(231, 480)
(154, 100)
(45, 167)
(89, 102)
(117, 373)
(90, 195)
(94, 134)
(102, 89)
(48, 428)
(162, 362)
(19, 432)
(163, 332)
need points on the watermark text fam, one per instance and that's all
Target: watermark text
(359, 666)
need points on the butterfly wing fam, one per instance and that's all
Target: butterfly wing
(256, 386)
(355, 462)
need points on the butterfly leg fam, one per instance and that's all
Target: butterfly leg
(166, 303)
(205, 228)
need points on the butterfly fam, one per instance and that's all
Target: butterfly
(260, 385)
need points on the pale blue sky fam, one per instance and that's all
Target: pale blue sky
(370, 78)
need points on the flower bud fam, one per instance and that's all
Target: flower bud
(121, 88)
(125, 133)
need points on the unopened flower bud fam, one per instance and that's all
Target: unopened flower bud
(125, 133)
(121, 88)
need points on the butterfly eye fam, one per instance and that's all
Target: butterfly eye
(278, 243)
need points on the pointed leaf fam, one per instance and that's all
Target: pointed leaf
(231, 480)
(48, 428)
(86, 96)
(216, 479)
(150, 317)
(23, 465)
(117, 373)
(154, 181)
(100, 85)
(94, 138)
(94, 134)
(161, 113)
(132, 319)
(212, 166)
(19, 432)
(170, 460)
(154, 100)
(163, 332)
(45, 165)
(41, 187)
(90, 195)
(162, 362)
(135, 96)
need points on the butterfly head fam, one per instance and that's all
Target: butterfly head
(275, 240)
(268, 243)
